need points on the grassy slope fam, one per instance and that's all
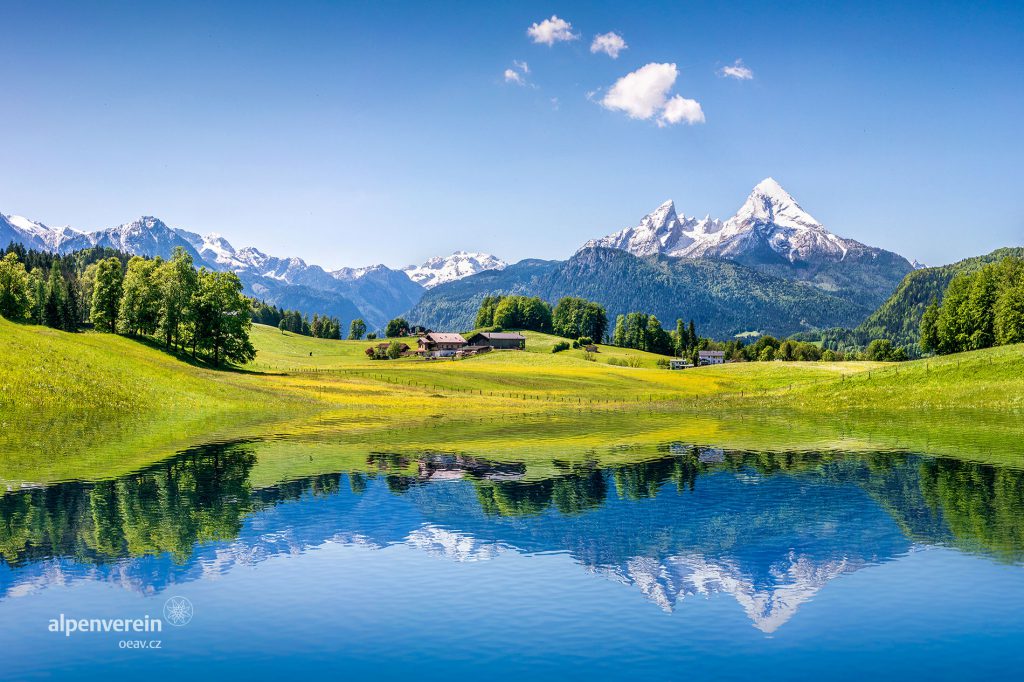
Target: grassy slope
(89, 405)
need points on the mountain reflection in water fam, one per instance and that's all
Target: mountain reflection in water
(770, 529)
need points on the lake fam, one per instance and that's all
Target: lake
(676, 560)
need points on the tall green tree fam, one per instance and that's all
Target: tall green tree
(485, 313)
(577, 317)
(221, 318)
(139, 312)
(929, 328)
(978, 309)
(1009, 315)
(396, 327)
(356, 329)
(15, 288)
(521, 312)
(106, 295)
(178, 282)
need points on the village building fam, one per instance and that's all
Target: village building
(710, 357)
(498, 340)
(440, 344)
(679, 363)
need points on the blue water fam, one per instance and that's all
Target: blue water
(696, 563)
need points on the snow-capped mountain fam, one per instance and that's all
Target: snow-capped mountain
(661, 231)
(441, 269)
(770, 218)
(147, 236)
(770, 231)
(375, 293)
(33, 234)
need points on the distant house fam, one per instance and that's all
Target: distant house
(440, 344)
(499, 340)
(679, 363)
(401, 346)
(710, 357)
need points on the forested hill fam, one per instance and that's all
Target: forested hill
(723, 297)
(899, 317)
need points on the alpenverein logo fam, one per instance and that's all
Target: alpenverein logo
(178, 611)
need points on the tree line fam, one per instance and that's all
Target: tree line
(199, 311)
(50, 289)
(320, 326)
(978, 310)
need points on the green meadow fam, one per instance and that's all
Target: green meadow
(91, 406)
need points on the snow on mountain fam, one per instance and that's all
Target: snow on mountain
(442, 269)
(147, 236)
(31, 233)
(662, 231)
(352, 274)
(770, 220)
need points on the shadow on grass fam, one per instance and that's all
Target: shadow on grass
(187, 358)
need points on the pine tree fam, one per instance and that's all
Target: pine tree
(54, 308)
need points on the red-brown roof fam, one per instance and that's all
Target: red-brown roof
(445, 337)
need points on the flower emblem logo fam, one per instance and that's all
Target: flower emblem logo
(178, 611)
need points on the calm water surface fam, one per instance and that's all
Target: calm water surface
(695, 562)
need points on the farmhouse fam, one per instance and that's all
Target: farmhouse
(710, 357)
(440, 344)
(679, 363)
(499, 340)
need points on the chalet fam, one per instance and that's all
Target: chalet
(499, 340)
(440, 344)
(710, 357)
(679, 363)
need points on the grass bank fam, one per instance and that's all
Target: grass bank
(92, 406)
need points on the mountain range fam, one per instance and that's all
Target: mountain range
(770, 268)
(376, 293)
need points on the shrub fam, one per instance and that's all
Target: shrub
(560, 346)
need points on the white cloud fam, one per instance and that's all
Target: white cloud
(518, 74)
(644, 94)
(737, 71)
(610, 43)
(680, 110)
(551, 31)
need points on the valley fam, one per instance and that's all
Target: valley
(68, 401)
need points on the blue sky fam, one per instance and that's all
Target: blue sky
(356, 133)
